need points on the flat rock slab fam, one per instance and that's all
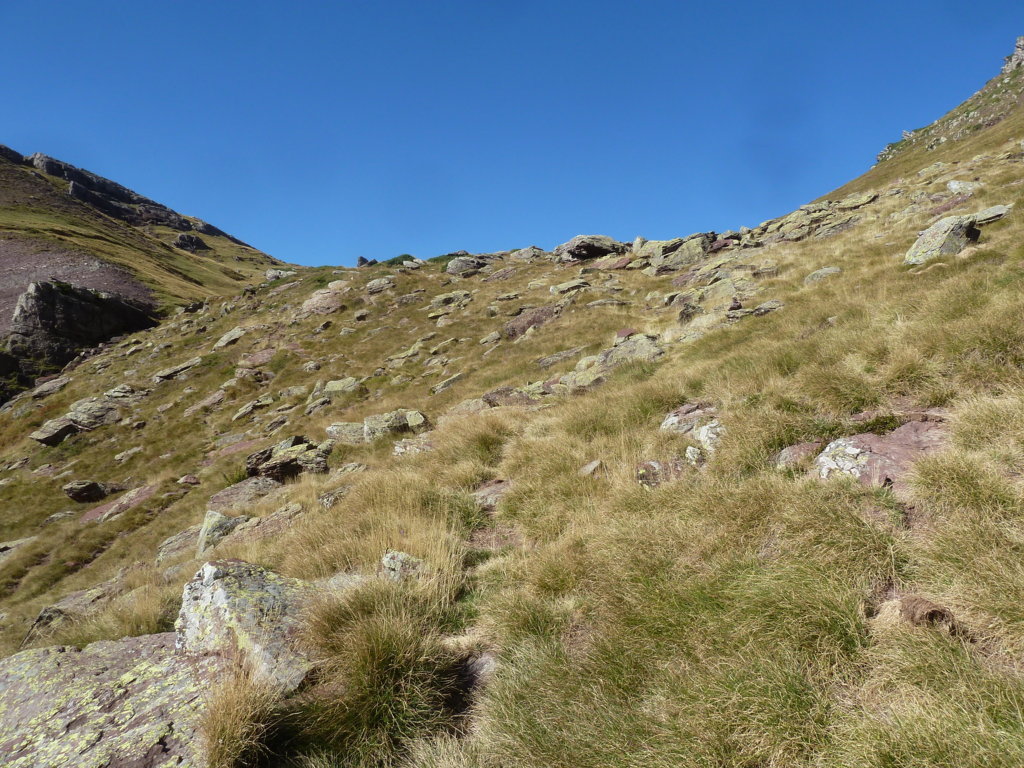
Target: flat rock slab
(130, 702)
(881, 460)
(121, 505)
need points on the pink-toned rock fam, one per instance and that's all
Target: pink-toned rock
(489, 494)
(797, 454)
(119, 506)
(881, 460)
(256, 359)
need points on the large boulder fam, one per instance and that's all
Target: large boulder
(946, 237)
(242, 612)
(465, 265)
(588, 247)
(130, 702)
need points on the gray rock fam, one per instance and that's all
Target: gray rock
(242, 612)
(465, 266)
(820, 274)
(347, 433)
(214, 528)
(399, 566)
(588, 247)
(946, 237)
(87, 490)
(176, 370)
(394, 423)
(289, 458)
(229, 338)
(278, 274)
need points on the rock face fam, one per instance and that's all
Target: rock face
(236, 610)
(54, 321)
(131, 702)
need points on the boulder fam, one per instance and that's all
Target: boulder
(347, 386)
(465, 266)
(214, 528)
(399, 566)
(289, 458)
(795, 455)
(588, 247)
(881, 460)
(325, 301)
(569, 287)
(278, 274)
(441, 386)
(489, 494)
(394, 423)
(242, 612)
(53, 321)
(129, 702)
(190, 243)
(379, 285)
(229, 338)
(533, 317)
(87, 490)
(946, 237)
(347, 433)
(176, 370)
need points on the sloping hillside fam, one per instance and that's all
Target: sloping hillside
(735, 499)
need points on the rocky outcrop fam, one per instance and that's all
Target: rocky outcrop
(588, 247)
(130, 702)
(53, 321)
(1016, 59)
(952, 234)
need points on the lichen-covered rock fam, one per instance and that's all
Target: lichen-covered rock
(215, 527)
(379, 285)
(240, 611)
(881, 460)
(394, 423)
(130, 702)
(349, 385)
(399, 566)
(946, 237)
(465, 266)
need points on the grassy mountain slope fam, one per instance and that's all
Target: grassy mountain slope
(737, 614)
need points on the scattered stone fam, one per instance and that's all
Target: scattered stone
(264, 401)
(208, 403)
(289, 458)
(113, 509)
(399, 566)
(214, 528)
(590, 469)
(394, 423)
(558, 357)
(820, 274)
(918, 612)
(347, 386)
(88, 490)
(963, 187)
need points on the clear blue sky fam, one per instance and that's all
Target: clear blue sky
(322, 131)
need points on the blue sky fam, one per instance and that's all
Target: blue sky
(322, 131)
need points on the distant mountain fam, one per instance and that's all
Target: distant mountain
(63, 224)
